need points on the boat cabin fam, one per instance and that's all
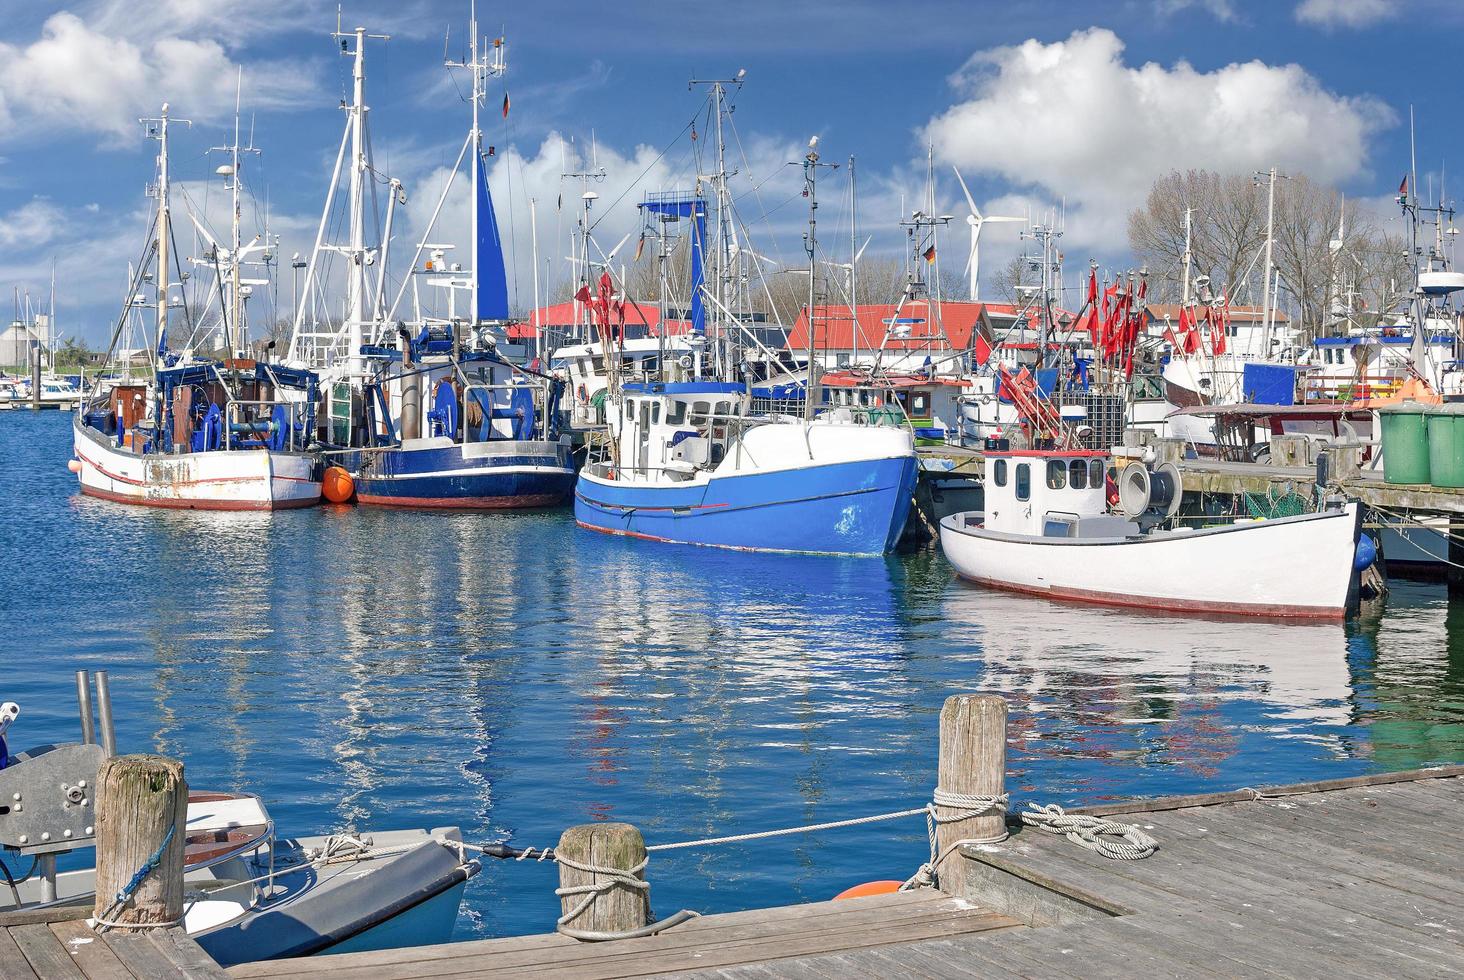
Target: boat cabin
(1050, 493)
(582, 368)
(670, 430)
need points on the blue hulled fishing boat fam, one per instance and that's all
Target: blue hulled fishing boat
(447, 420)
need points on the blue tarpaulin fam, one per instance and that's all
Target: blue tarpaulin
(1269, 384)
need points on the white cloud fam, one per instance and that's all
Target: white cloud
(1072, 119)
(77, 76)
(1344, 13)
(1222, 10)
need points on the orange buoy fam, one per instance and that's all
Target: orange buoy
(870, 888)
(337, 485)
(74, 465)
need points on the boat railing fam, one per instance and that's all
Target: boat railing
(1346, 389)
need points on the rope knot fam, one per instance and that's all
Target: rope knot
(1118, 841)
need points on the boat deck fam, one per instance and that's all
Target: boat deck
(1351, 876)
(57, 943)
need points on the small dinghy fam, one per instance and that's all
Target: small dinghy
(1046, 530)
(249, 894)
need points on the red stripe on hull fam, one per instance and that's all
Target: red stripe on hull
(237, 505)
(1156, 604)
(463, 503)
(119, 478)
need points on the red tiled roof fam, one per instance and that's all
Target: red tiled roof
(562, 315)
(834, 328)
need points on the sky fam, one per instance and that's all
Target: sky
(1044, 106)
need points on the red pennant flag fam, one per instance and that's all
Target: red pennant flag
(640, 247)
(982, 350)
(583, 296)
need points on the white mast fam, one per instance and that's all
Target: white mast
(158, 130)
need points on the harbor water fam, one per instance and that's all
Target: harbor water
(513, 674)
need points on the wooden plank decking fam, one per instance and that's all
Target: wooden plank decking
(1346, 877)
(1364, 878)
(58, 943)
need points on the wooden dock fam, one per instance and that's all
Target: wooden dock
(1362, 875)
(58, 943)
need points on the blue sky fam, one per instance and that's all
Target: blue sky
(1038, 103)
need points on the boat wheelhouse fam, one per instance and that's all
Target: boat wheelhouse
(1047, 531)
(687, 463)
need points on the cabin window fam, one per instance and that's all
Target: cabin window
(699, 412)
(1056, 474)
(1095, 473)
(724, 408)
(655, 413)
(676, 413)
(645, 413)
(1024, 481)
(1078, 474)
(864, 399)
(629, 409)
(998, 472)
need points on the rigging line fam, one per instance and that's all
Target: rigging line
(633, 184)
(757, 196)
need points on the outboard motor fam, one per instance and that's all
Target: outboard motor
(1150, 496)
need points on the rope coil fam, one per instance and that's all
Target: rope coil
(1118, 841)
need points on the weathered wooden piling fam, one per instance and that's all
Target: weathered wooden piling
(140, 798)
(972, 763)
(621, 907)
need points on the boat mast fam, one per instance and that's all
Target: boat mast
(810, 246)
(158, 129)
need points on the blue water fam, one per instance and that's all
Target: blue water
(513, 675)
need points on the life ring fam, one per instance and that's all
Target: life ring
(870, 888)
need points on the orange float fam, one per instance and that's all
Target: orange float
(74, 465)
(337, 486)
(870, 888)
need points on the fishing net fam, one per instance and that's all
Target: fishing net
(1275, 503)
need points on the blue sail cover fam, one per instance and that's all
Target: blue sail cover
(694, 207)
(491, 302)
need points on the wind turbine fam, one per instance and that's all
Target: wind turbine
(976, 220)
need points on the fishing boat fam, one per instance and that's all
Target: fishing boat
(251, 893)
(220, 434)
(1047, 530)
(688, 462)
(490, 438)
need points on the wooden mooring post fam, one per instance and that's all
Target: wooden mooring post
(972, 763)
(620, 907)
(140, 798)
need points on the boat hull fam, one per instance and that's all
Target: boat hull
(845, 508)
(1292, 567)
(246, 479)
(466, 476)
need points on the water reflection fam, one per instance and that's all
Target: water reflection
(513, 674)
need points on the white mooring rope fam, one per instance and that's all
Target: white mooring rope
(966, 807)
(1119, 841)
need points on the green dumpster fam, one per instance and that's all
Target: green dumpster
(1445, 446)
(1405, 443)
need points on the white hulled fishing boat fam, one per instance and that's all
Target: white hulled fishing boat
(227, 434)
(1046, 530)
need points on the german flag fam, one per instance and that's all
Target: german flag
(929, 254)
(505, 105)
